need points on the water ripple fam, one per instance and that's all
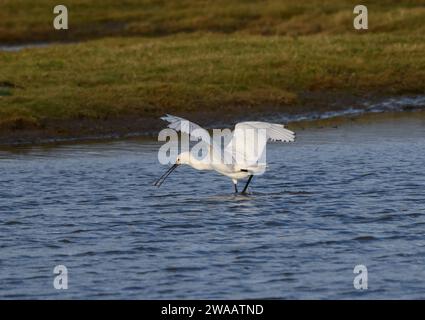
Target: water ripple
(334, 199)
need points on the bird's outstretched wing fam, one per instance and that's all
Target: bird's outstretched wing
(185, 126)
(275, 132)
(250, 139)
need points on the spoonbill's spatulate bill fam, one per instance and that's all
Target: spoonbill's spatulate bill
(245, 146)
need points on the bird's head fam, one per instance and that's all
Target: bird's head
(183, 158)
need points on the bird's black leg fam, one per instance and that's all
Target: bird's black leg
(236, 188)
(247, 183)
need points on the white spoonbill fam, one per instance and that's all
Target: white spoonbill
(245, 146)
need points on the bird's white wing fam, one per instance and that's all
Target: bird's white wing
(249, 140)
(275, 132)
(186, 126)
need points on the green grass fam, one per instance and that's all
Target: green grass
(202, 55)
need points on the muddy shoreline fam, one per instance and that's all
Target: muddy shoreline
(316, 109)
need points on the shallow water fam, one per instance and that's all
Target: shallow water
(366, 107)
(336, 198)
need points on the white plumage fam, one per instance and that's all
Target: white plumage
(243, 154)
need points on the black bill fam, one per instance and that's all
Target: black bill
(160, 181)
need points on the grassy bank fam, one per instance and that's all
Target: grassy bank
(191, 58)
(111, 77)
